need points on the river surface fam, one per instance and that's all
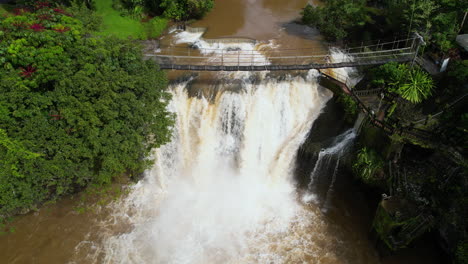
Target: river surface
(227, 188)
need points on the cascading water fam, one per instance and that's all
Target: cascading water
(222, 190)
(224, 182)
(327, 164)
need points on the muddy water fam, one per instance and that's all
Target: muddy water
(49, 235)
(261, 20)
(60, 233)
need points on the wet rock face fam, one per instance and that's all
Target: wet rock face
(327, 126)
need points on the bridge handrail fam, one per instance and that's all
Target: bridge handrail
(261, 56)
(237, 60)
(390, 129)
(367, 92)
(379, 46)
(345, 50)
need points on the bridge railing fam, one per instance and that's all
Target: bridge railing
(381, 45)
(370, 92)
(242, 58)
(235, 58)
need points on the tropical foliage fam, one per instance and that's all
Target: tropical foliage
(173, 9)
(438, 21)
(350, 107)
(337, 17)
(74, 109)
(413, 84)
(417, 86)
(367, 163)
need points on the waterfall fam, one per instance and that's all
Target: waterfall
(328, 159)
(329, 193)
(222, 190)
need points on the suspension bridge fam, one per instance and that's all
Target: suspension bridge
(237, 59)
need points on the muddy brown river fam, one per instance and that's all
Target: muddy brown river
(224, 190)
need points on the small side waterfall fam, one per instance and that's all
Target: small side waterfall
(330, 191)
(321, 185)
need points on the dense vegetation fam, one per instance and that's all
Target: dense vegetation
(109, 18)
(424, 169)
(412, 84)
(439, 21)
(337, 17)
(74, 109)
(419, 161)
(173, 9)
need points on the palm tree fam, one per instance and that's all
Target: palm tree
(417, 87)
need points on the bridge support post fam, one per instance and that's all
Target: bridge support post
(420, 41)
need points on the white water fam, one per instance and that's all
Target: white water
(327, 158)
(229, 51)
(222, 190)
(224, 182)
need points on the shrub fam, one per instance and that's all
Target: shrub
(350, 107)
(367, 163)
(155, 27)
(413, 84)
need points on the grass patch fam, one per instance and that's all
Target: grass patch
(114, 24)
(123, 27)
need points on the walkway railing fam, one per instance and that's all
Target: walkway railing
(388, 127)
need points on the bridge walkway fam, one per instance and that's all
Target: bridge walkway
(236, 59)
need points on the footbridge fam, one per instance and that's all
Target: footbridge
(265, 58)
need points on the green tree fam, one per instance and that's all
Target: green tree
(438, 21)
(337, 17)
(186, 9)
(172, 9)
(20, 186)
(388, 75)
(89, 107)
(90, 20)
